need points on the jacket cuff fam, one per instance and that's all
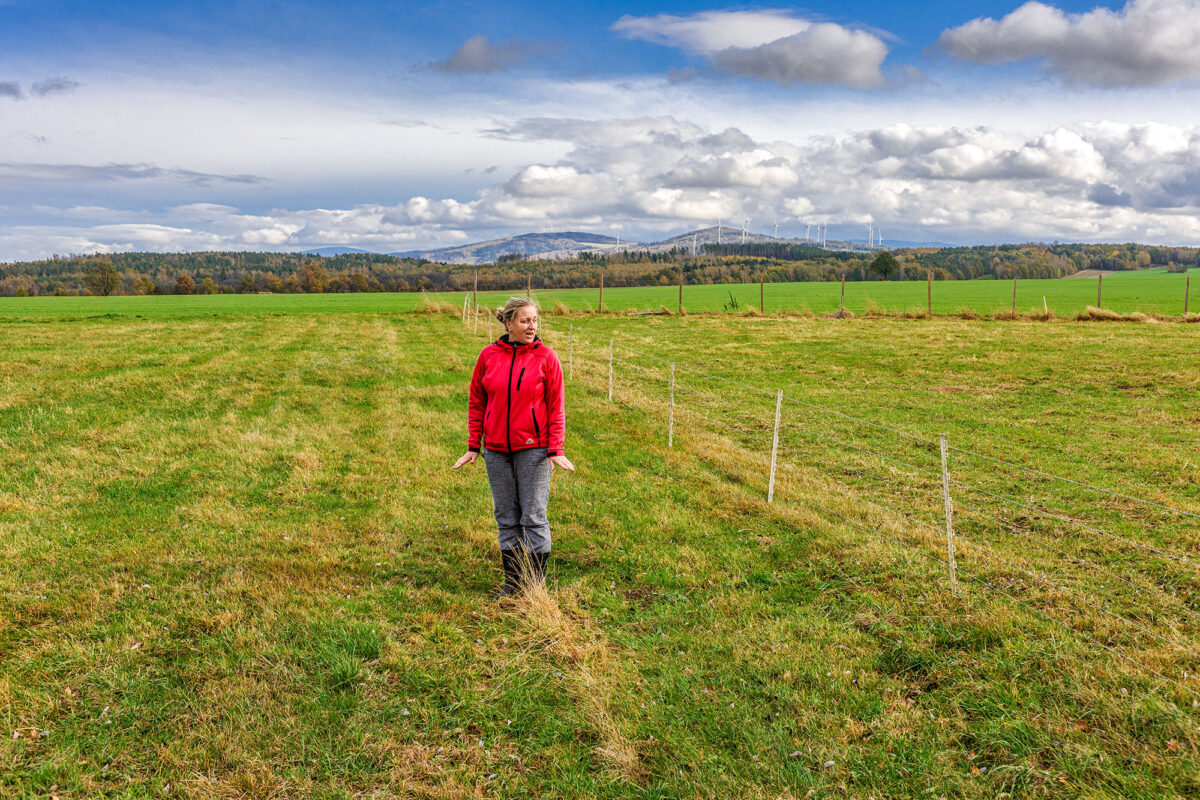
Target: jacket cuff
(472, 449)
(554, 452)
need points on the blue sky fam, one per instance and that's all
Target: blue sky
(394, 126)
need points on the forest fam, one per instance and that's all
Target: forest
(249, 272)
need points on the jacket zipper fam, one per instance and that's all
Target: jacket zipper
(537, 430)
(508, 405)
(519, 377)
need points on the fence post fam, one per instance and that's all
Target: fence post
(475, 304)
(467, 299)
(1187, 288)
(681, 292)
(842, 312)
(761, 291)
(929, 295)
(610, 360)
(1014, 303)
(571, 354)
(1099, 286)
(528, 286)
(774, 446)
(671, 411)
(601, 309)
(949, 518)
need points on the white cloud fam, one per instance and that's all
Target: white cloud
(480, 54)
(710, 32)
(1146, 43)
(769, 45)
(656, 176)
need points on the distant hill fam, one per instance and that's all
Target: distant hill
(334, 250)
(561, 245)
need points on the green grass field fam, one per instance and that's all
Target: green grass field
(236, 564)
(1152, 292)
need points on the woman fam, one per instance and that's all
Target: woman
(517, 416)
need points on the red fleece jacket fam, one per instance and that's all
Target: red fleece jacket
(517, 399)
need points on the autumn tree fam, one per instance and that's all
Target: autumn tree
(184, 284)
(102, 277)
(313, 278)
(885, 265)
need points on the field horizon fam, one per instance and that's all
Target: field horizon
(236, 562)
(1153, 292)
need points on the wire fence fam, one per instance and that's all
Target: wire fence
(1106, 565)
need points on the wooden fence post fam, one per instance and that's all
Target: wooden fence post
(774, 446)
(681, 292)
(842, 312)
(949, 518)
(601, 291)
(1099, 286)
(1187, 288)
(475, 303)
(671, 411)
(610, 369)
(929, 295)
(761, 291)
(1014, 302)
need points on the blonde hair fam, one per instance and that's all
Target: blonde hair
(515, 304)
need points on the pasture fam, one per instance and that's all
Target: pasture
(1152, 292)
(236, 564)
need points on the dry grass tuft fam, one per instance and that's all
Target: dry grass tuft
(585, 658)
(1094, 314)
(560, 309)
(429, 305)
(968, 313)
(1191, 318)
(1006, 315)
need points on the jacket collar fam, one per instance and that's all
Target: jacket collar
(534, 345)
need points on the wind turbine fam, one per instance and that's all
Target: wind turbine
(718, 230)
(745, 224)
(870, 235)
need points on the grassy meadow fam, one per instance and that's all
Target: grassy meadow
(1153, 292)
(235, 562)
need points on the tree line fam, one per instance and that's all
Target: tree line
(240, 272)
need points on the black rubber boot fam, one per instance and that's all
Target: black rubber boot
(510, 560)
(537, 566)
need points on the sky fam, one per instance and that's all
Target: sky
(395, 126)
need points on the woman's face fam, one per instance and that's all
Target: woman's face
(524, 325)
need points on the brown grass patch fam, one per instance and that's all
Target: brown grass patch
(560, 309)
(585, 657)
(428, 305)
(968, 313)
(1094, 314)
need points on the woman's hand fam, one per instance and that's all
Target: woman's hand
(562, 461)
(468, 458)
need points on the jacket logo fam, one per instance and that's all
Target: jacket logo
(529, 441)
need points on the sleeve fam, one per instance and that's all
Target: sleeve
(476, 405)
(555, 406)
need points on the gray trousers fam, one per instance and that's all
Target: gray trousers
(520, 490)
